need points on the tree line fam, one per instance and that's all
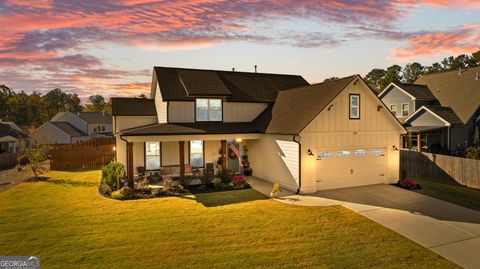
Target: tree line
(35, 109)
(379, 78)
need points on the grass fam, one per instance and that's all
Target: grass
(451, 193)
(68, 224)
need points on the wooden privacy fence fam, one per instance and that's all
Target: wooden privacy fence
(8, 160)
(88, 154)
(441, 168)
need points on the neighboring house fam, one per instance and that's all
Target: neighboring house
(68, 128)
(305, 137)
(12, 138)
(440, 111)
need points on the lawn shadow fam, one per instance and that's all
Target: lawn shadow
(222, 198)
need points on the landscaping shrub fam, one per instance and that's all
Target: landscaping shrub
(238, 181)
(167, 184)
(124, 193)
(104, 189)
(473, 153)
(112, 175)
(408, 183)
(33, 158)
(248, 171)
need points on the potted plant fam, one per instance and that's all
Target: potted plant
(275, 190)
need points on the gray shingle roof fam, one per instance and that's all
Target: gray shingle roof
(417, 91)
(446, 113)
(180, 84)
(68, 128)
(133, 107)
(95, 117)
(459, 92)
(295, 109)
(7, 130)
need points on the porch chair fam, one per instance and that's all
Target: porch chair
(208, 173)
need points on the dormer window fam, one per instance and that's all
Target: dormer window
(207, 109)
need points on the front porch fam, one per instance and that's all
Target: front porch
(427, 139)
(186, 160)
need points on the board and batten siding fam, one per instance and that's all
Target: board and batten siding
(333, 130)
(241, 111)
(275, 158)
(160, 105)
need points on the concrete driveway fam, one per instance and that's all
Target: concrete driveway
(447, 229)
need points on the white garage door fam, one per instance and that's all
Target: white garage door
(343, 168)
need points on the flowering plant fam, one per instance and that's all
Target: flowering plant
(408, 183)
(238, 181)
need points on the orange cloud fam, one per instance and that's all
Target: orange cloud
(466, 39)
(43, 4)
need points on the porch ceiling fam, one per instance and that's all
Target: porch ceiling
(205, 137)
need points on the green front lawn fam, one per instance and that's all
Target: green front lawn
(454, 194)
(68, 224)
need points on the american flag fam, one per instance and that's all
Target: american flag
(235, 150)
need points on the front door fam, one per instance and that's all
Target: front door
(232, 158)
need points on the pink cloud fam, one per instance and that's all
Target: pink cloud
(465, 39)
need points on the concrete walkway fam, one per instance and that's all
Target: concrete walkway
(450, 230)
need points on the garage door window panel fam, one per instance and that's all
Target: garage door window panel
(343, 153)
(324, 155)
(360, 152)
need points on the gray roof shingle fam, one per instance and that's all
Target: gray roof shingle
(68, 128)
(295, 109)
(446, 113)
(95, 117)
(459, 92)
(180, 84)
(133, 107)
(417, 91)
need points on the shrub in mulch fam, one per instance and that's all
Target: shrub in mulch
(216, 187)
(126, 193)
(408, 183)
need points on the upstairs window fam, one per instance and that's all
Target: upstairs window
(405, 110)
(393, 108)
(208, 109)
(355, 106)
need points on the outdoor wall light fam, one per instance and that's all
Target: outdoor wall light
(114, 148)
(238, 140)
(310, 153)
(395, 148)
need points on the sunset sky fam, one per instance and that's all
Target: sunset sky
(109, 47)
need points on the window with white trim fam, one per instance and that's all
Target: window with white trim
(196, 153)
(324, 155)
(405, 109)
(343, 153)
(360, 152)
(377, 152)
(354, 106)
(152, 155)
(393, 108)
(208, 109)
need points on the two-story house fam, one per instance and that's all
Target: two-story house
(69, 128)
(12, 138)
(305, 137)
(440, 111)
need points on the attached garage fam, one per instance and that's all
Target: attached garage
(346, 136)
(350, 167)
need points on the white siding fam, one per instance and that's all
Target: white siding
(181, 111)
(49, 134)
(126, 122)
(332, 129)
(275, 158)
(212, 149)
(242, 112)
(160, 105)
(73, 120)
